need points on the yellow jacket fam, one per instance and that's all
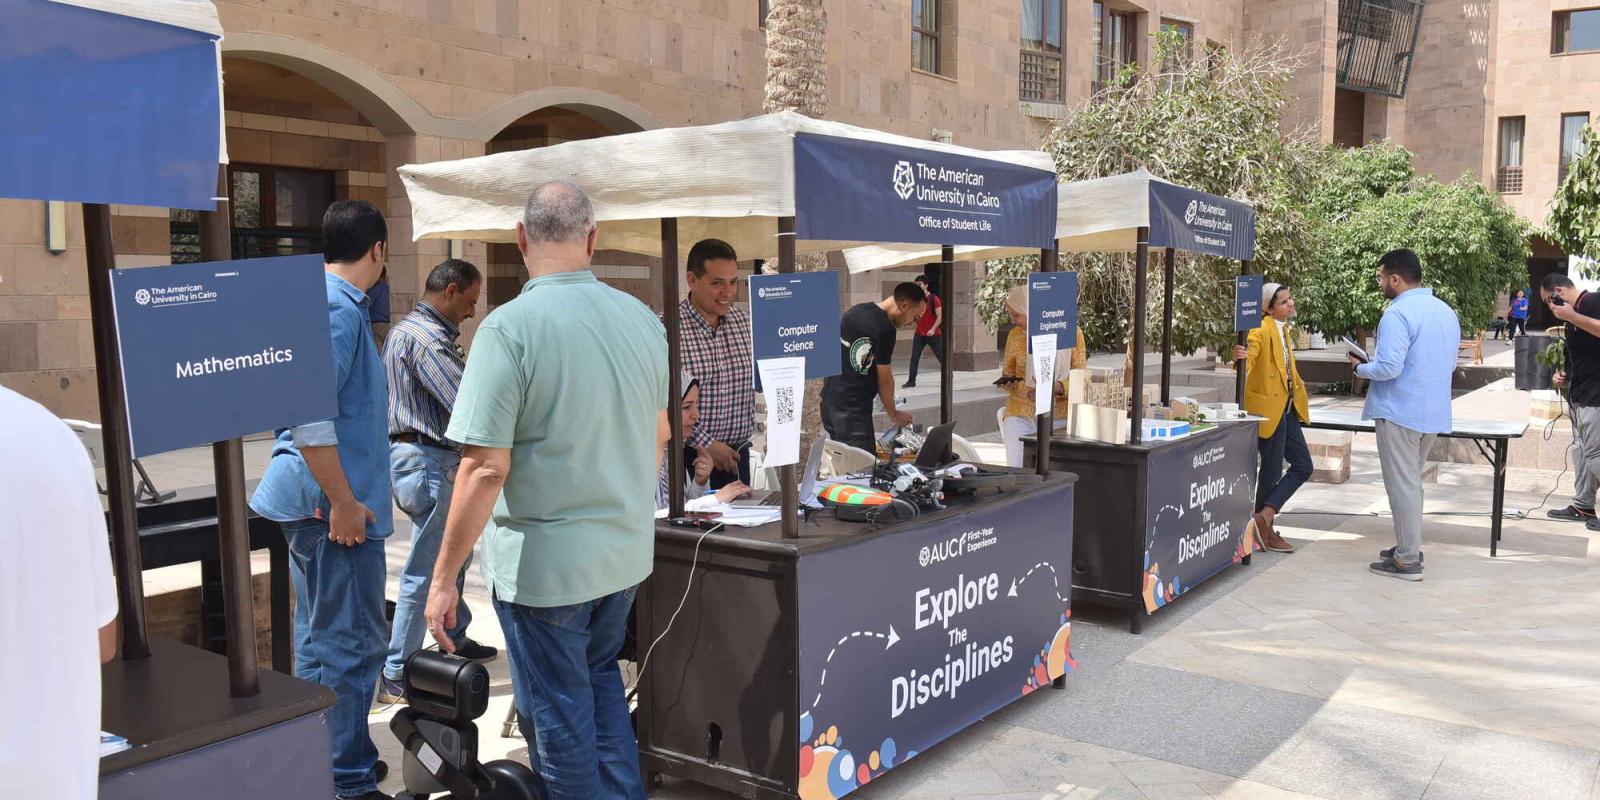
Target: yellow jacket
(1020, 400)
(1266, 393)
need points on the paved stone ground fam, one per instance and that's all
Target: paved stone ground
(1300, 676)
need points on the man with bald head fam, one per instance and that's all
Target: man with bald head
(571, 366)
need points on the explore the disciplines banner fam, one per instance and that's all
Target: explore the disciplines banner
(1202, 493)
(862, 191)
(219, 350)
(906, 639)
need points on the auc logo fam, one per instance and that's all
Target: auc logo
(1190, 213)
(142, 297)
(905, 180)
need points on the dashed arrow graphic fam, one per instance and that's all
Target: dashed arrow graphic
(889, 640)
(1242, 477)
(1055, 583)
(1165, 509)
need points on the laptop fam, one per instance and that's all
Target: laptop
(938, 448)
(808, 484)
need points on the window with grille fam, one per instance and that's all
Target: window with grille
(1375, 45)
(1508, 168)
(1040, 77)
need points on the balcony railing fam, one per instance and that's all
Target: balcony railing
(1039, 79)
(246, 242)
(1508, 180)
(1376, 42)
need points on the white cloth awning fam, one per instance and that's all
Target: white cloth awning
(731, 181)
(196, 15)
(1094, 216)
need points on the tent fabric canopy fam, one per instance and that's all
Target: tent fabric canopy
(730, 181)
(1103, 215)
(195, 15)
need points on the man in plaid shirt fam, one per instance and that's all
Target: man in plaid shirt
(715, 340)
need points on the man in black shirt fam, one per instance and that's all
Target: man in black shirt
(1581, 376)
(866, 348)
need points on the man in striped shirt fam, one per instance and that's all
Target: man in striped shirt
(715, 338)
(425, 363)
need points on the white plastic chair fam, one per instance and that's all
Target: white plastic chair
(840, 459)
(92, 435)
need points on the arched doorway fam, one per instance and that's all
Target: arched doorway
(553, 125)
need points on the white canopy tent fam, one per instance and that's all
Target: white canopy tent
(732, 181)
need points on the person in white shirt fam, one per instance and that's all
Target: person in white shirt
(57, 598)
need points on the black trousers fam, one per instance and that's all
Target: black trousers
(852, 426)
(917, 343)
(1515, 326)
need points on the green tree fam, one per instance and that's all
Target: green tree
(1370, 200)
(1574, 223)
(1210, 123)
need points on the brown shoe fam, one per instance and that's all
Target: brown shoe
(1263, 528)
(1278, 544)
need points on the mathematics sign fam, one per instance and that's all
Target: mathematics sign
(1197, 222)
(216, 351)
(852, 190)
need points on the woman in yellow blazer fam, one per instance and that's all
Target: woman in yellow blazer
(1273, 389)
(1019, 419)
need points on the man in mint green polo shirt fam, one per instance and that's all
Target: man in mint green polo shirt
(563, 414)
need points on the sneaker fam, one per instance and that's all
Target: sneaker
(372, 795)
(909, 385)
(1394, 569)
(1592, 523)
(1571, 514)
(476, 651)
(1387, 554)
(390, 692)
(380, 770)
(1277, 543)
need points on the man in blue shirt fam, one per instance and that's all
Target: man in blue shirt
(327, 487)
(1409, 399)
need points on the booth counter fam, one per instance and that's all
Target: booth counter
(807, 668)
(1173, 513)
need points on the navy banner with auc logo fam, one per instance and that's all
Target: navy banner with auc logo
(220, 350)
(796, 315)
(909, 637)
(1247, 303)
(1197, 222)
(859, 191)
(1053, 307)
(1202, 494)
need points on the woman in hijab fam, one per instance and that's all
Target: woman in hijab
(696, 496)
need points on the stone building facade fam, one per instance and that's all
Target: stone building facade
(325, 99)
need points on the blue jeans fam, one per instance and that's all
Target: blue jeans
(424, 478)
(1274, 488)
(569, 697)
(338, 638)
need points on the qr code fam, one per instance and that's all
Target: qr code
(1042, 365)
(785, 407)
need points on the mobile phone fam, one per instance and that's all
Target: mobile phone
(1557, 300)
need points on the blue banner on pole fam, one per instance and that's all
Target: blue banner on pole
(796, 315)
(1247, 303)
(1197, 222)
(860, 191)
(1053, 307)
(104, 108)
(216, 351)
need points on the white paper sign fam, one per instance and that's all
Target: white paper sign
(1044, 371)
(783, 383)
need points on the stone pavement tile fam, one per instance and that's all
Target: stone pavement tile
(1251, 790)
(1155, 773)
(1494, 766)
(1175, 791)
(1353, 753)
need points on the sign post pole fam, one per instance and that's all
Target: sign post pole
(233, 547)
(786, 474)
(669, 294)
(1238, 366)
(1046, 421)
(119, 447)
(1166, 327)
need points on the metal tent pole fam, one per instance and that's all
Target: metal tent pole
(669, 294)
(790, 491)
(233, 543)
(1141, 261)
(1166, 328)
(947, 370)
(114, 420)
(1046, 421)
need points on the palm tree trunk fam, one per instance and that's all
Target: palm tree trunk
(797, 80)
